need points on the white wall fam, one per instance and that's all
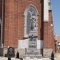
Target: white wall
(46, 8)
(24, 44)
(59, 43)
(39, 44)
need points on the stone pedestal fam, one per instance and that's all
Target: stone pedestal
(35, 59)
(32, 50)
(27, 58)
(47, 52)
(33, 53)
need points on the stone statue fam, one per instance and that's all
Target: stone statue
(33, 25)
(33, 20)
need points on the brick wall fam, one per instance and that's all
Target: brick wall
(49, 33)
(14, 20)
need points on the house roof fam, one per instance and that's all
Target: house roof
(58, 38)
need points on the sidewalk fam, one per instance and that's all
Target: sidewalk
(5, 58)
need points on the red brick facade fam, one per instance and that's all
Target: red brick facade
(14, 20)
(14, 23)
(49, 33)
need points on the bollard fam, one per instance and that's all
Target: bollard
(52, 56)
(9, 58)
(21, 58)
(17, 55)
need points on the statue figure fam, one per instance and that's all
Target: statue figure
(33, 25)
(33, 20)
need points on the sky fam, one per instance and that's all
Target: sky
(56, 16)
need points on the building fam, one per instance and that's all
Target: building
(27, 25)
(58, 43)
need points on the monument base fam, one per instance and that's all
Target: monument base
(47, 52)
(33, 53)
(28, 58)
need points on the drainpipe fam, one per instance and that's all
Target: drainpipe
(2, 24)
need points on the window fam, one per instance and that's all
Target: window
(30, 20)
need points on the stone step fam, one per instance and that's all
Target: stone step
(33, 56)
(28, 58)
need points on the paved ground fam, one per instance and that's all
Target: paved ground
(57, 57)
(4, 58)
